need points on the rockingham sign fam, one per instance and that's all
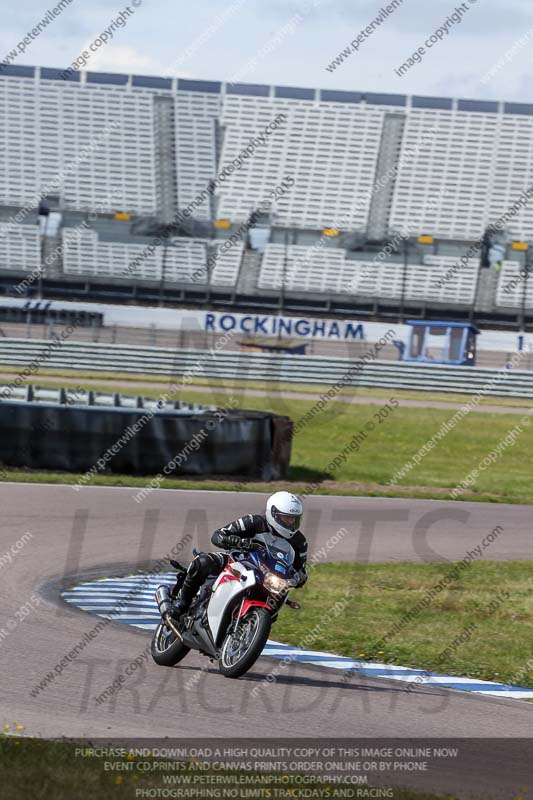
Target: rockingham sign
(290, 327)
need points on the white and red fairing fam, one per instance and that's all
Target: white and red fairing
(226, 587)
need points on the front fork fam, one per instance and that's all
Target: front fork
(239, 614)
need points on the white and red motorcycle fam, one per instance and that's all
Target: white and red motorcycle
(230, 618)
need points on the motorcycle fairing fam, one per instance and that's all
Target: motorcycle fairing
(226, 589)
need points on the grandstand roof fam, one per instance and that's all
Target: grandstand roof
(265, 90)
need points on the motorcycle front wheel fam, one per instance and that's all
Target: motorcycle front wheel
(243, 646)
(167, 649)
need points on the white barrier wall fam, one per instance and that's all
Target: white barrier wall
(257, 325)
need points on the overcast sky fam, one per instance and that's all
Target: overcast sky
(219, 40)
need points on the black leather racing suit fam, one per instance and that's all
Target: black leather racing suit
(213, 563)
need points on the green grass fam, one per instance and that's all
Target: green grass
(108, 381)
(41, 770)
(137, 482)
(385, 450)
(498, 648)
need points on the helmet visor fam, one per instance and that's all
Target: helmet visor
(290, 522)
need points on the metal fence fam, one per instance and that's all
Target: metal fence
(29, 356)
(79, 396)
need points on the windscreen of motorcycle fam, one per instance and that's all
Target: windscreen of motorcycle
(279, 549)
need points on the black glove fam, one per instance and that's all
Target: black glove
(237, 543)
(300, 579)
(248, 544)
(233, 541)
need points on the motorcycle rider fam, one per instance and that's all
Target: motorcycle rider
(283, 515)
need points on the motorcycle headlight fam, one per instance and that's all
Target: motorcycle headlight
(275, 584)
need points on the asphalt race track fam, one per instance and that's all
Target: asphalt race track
(77, 535)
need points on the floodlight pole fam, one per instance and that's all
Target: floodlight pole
(163, 272)
(284, 271)
(42, 249)
(527, 265)
(404, 278)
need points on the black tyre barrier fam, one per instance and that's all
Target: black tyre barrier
(130, 441)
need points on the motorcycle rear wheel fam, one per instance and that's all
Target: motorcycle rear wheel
(166, 649)
(242, 648)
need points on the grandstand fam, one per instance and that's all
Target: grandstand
(332, 272)
(364, 165)
(85, 254)
(20, 248)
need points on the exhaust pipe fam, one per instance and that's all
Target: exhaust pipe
(162, 598)
(164, 603)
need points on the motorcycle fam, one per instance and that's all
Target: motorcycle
(231, 616)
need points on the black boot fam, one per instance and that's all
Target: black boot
(185, 596)
(178, 608)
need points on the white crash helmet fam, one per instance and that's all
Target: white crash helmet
(284, 513)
